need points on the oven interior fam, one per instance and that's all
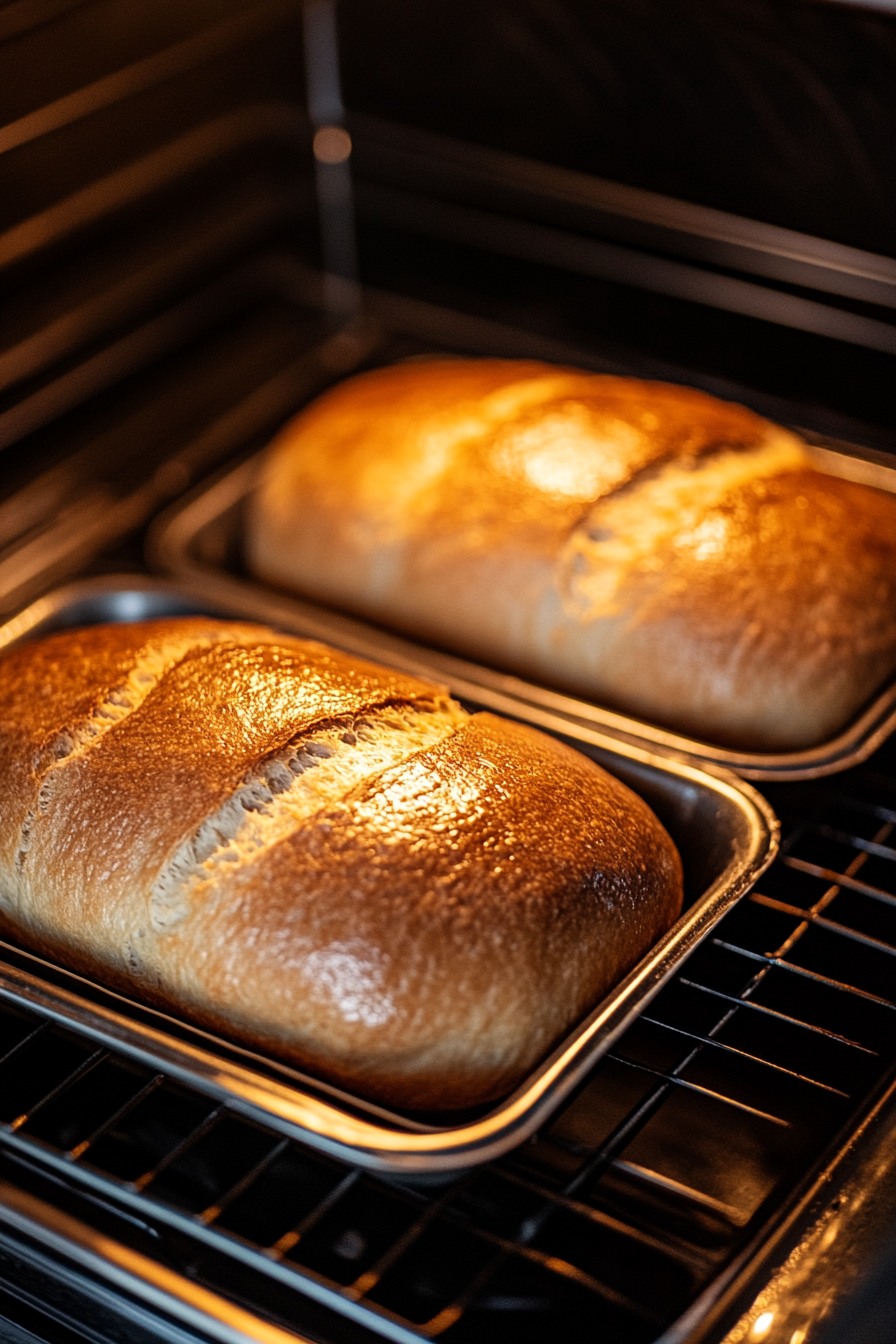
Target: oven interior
(163, 312)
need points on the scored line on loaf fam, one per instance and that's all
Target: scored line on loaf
(288, 787)
(622, 533)
(644, 546)
(156, 663)
(150, 666)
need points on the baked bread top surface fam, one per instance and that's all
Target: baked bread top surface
(320, 857)
(646, 545)
(475, 449)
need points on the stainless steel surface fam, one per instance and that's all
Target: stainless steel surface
(123, 1270)
(180, 324)
(609, 261)
(199, 542)
(727, 835)
(114, 299)
(823, 1267)
(697, 1154)
(146, 73)
(635, 1210)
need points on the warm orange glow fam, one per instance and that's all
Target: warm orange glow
(332, 144)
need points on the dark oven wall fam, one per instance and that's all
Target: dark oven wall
(778, 111)
(155, 178)
(769, 111)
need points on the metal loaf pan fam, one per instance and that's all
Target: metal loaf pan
(200, 541)
(726, 833)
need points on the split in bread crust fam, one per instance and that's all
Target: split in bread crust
(319, 857)
(643, 545)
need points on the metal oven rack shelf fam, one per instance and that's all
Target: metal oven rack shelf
(677, 1163)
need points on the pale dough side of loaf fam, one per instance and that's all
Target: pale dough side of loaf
(642, 545)
(319, 857)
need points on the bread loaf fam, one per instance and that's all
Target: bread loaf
(642, 545)
(321, 858)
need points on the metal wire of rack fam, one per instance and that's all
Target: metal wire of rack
(682, 1147)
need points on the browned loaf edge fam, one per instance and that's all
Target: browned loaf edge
(318, 857)
(643, 545)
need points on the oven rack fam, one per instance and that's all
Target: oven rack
(674, 1165)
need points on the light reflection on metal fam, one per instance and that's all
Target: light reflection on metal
(260, 122)
(431, 165)
(57, 520)
(68, 1239)
(127, 1270)
(332, 162)
(171, 328)
(104, 308)
(853, 1214)
(332, 144)
(593, 257)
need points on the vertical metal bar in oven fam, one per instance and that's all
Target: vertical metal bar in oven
(332, 161)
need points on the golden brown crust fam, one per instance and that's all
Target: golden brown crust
(447, 923)
(554, 522)
(452, 459)
(320, 857)
(62, 689)
(756, 650)
(173, 760)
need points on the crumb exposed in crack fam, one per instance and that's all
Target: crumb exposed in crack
(310, 773)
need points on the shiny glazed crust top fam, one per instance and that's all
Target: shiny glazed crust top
(644, 545)
(317, 856)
